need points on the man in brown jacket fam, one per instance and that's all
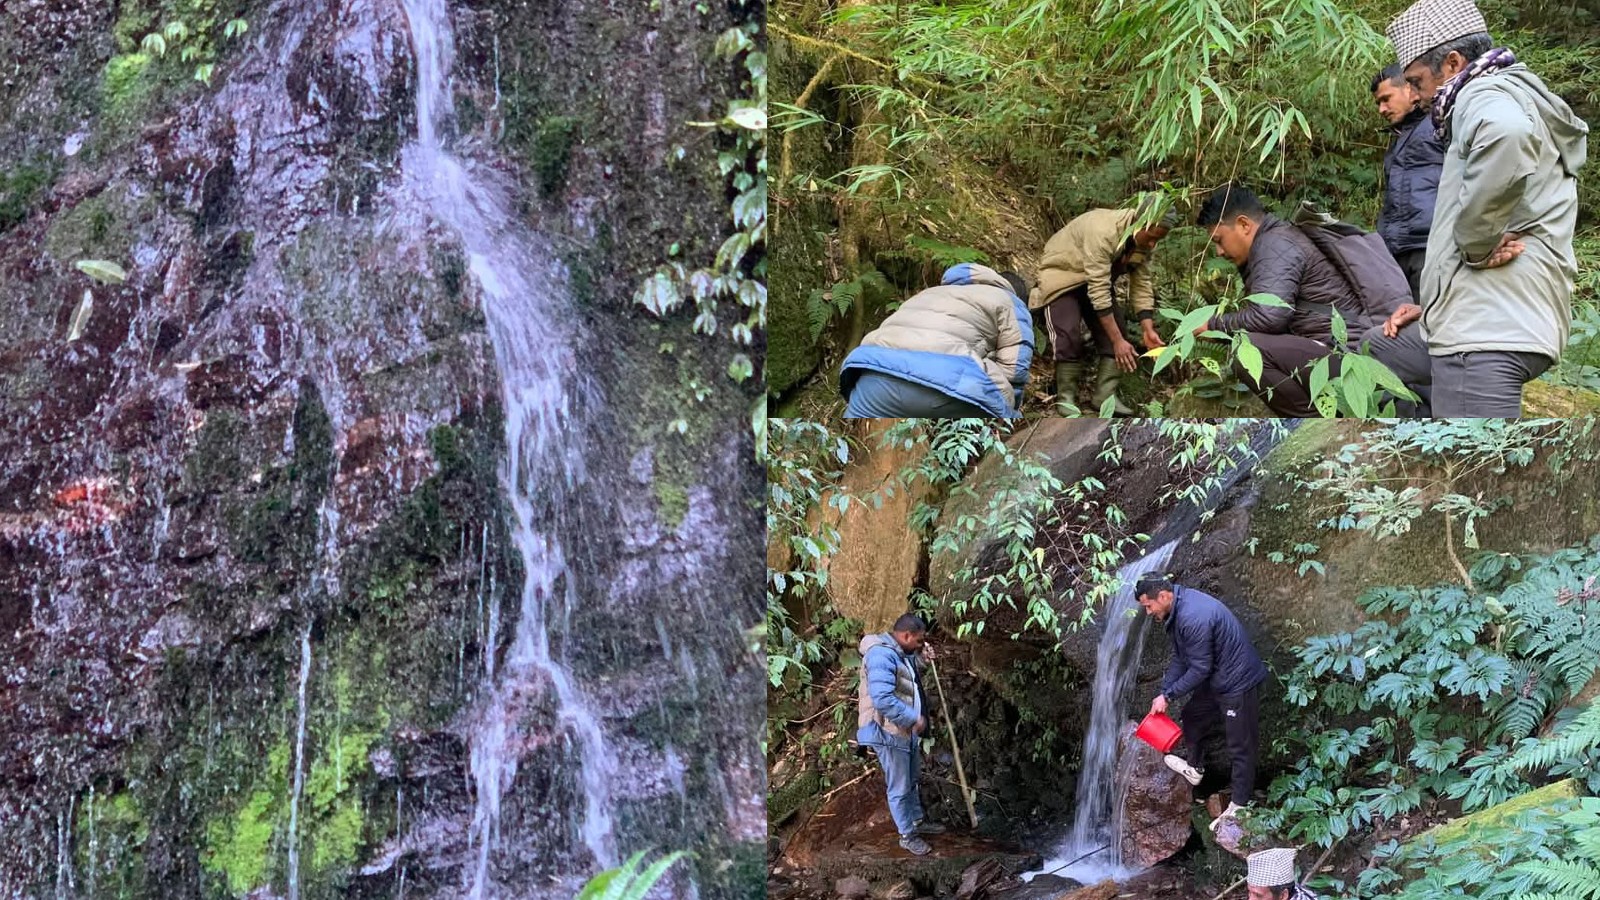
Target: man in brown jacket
(1080, 265)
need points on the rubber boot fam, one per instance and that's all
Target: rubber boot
(1106, 387)
(1068, 374)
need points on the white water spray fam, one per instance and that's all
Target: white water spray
(520, 291)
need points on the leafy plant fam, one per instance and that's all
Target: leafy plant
(826, 303)
(628, 882)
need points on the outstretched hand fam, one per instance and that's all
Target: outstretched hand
(1127, 357)
(1159, 704)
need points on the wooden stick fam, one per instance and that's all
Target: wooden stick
(1228, 890)
(966, 792)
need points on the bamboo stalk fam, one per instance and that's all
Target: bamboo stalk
(944, 709)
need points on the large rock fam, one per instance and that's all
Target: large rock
(1067, 447)
(871, 576)
(1156, 807)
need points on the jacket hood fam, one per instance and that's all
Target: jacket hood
(1569, 132)
(972, 273)
(882, 638)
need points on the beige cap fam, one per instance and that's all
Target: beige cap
(1271, 868)
(1429, 23)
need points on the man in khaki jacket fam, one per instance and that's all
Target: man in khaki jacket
(1077, 271)
(1496, 289)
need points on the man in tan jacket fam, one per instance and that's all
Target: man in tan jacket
(1080, 265)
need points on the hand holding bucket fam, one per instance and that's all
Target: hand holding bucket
(1159, 731)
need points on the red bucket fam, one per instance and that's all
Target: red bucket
(1159, 731)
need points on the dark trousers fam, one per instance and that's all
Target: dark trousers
(1411, 263)
(1485, 384)
(1406, 355)
(1063, 318)
(1238, 715)
(1286, 362)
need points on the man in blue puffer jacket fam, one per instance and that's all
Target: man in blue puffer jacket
(958, 350)
(1213, 659)
(889, 719)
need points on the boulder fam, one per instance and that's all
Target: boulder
(871, 576)
(1156, 808)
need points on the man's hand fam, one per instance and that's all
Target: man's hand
(921, 726)
(1159, 704)
(1509, 248)
(1152, 339)
(1127, 357)
(1400, 318)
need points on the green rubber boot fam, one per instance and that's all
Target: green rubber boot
(1106, 388)
(1068, 374)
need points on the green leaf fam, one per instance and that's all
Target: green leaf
(103, 271)
(1249, 357)
(751, 117)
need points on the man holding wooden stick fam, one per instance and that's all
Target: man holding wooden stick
(890, 720)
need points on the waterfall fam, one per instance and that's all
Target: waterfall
(1096, 833)
(1092, 851)
(523, 289)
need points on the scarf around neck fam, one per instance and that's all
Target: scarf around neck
(1444, 100)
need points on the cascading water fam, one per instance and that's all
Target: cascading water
(521, 288)
(1094, 842)
(1092, 851)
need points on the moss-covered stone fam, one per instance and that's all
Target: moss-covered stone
(552, 150)
(237, 848)
(20, 189)
(99, 227)
(672, 504)
(783, 801)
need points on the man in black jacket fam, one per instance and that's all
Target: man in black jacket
(1410, 170)
(1278, 258)
(1212, 659)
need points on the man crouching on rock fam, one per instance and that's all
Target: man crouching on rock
(890, 720)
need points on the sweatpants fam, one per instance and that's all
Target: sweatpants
(1406, 354)
(1063, 318)
(877, 395)
(1238, 715)
(900, 770)
(1484, 384)
(1286, 363)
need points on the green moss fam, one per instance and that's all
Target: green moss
(337, 839)
(238, 848)
(100, 227)
(1549, 796)
(20, 190)
(552, 151)
(218, 460)
(672, 503)
(783, 801)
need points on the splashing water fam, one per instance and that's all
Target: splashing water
(521, 288)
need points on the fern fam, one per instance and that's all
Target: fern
(1566, 879)
(1580, 736)
(627, 882)
(826, 303)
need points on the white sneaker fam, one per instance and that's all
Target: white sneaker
(1181, 766)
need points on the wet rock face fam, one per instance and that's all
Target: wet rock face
(1156, 811)
(289, 415)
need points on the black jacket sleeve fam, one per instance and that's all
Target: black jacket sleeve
(1276, 267)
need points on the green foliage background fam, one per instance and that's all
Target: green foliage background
(912, 130)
